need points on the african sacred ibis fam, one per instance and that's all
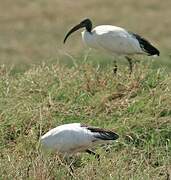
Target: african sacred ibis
(114, 40)
(75, 137)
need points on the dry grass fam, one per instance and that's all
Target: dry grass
(136, 107)
(83, 89)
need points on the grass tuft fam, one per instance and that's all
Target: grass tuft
(137, 107)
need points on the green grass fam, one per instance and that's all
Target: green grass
(138, 108)
(33, 31)
(74, 86)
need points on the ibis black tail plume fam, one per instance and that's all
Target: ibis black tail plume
(103, 134)
(146, 45)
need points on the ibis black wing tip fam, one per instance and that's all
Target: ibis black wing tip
(108, 135)
(145, 45)
(113, 135)
(153, 51)
(116, 136)
(103, 134)
(158, 52)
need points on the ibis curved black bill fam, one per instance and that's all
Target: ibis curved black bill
(75, 28)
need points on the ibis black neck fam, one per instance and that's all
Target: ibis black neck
(88, 25)
(85, 23)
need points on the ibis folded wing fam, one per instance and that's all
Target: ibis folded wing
(116, 40)
(146, 45)
(102, 134)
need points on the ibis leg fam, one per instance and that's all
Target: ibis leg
(70, 167)
(130, 63)
(66, 163)
(115, 67)
(93, 153)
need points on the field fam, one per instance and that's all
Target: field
(44, 84)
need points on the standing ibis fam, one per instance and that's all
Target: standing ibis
(75, 137)
(114, 40)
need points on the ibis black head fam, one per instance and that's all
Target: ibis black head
(85, 23)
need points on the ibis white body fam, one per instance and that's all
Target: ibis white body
(112, 39)
(73, 138)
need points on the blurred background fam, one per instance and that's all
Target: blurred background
(32, 31)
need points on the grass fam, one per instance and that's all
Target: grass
(44, 84)
(137, 107)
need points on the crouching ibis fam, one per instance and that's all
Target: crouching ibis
(115, 40)
(75, 137)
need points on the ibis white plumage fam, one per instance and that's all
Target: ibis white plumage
(114, 40)
(75, 137)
